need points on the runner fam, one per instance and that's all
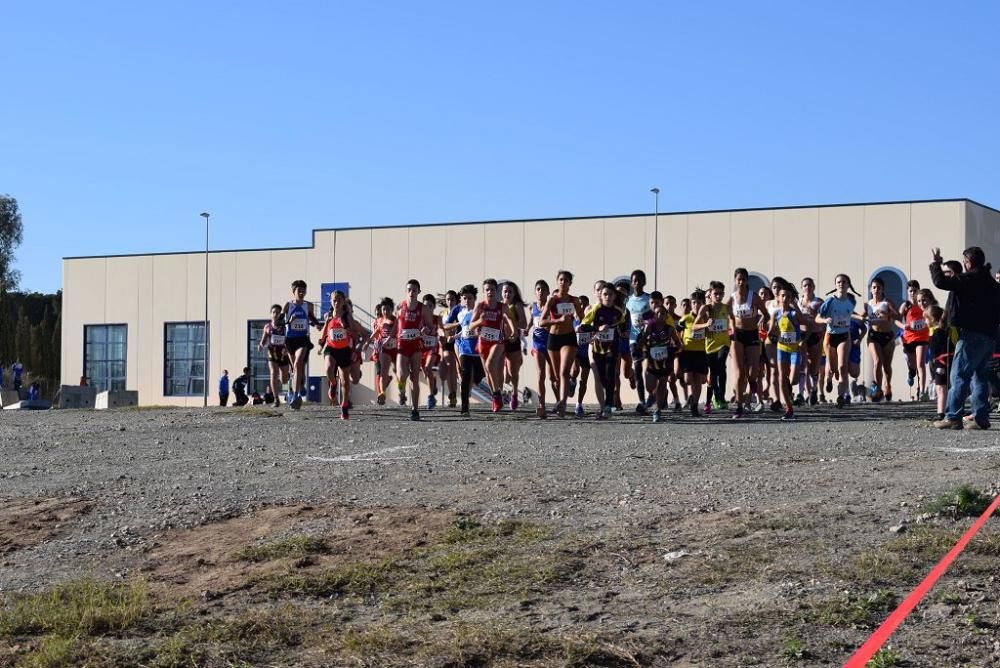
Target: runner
(836, 313)
(942, 344)
(273, 337)
(492, 324)
(466, 343)
(658, 342)
(413, 321)
(785, 330)
(361, 334)
(513, 359)
(558, 317)
(539, 343)
(430, 359)
(717, 343)
(677, 378)
(881, 315)
(655, 304)
(858, 331)
(384, 345)
(581, 365)
(767, 388)
(448, 368)
(605, 321)
(638, 305)
(298, 314)
(622, 290)
(694, 361)
(336, 346)
(814, 360)
(746, 311)
(915, 339)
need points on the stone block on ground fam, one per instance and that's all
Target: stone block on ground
(74, 396)
(8, 397)
(117, 399)
(29, 405)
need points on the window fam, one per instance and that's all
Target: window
(104, 356)
(260, 376)
(758, 281)
(184, 359)
(895, 285)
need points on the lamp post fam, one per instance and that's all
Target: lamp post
(205, 398)
(656, 234)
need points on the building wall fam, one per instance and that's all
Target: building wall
(693, 248)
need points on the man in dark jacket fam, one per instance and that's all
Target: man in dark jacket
(974, 300)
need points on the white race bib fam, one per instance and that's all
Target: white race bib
(719, 325)
(841, 321)
(336, 335)
(430, 341)
(489, 334)
(299, 325)
(409, 334)
(918, 325)
(606, 335)
(584, 338)
(277, 339)
(659, 353)
(565, 308)
(637, 320)
(787, 338)
(697, 334)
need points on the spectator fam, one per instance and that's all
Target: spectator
(240, 386)
(224, 388)
(83, 381)
(16, 369)
(33, 392)
(975, 303)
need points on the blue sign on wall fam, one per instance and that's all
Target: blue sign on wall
(326, 296)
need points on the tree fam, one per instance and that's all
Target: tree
(10, 238)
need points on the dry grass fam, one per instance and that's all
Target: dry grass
(77, 608)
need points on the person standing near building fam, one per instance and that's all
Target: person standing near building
(240, 386)
(224, 388)
(16, 369)
(975, 301)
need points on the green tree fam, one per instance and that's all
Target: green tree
(10, 238)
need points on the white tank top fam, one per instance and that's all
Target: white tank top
(742, 309)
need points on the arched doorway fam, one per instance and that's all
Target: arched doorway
(758, 281)
(895, 284)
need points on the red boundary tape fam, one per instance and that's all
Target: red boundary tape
(861, 657)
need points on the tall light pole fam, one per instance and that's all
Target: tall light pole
(656, 234)
(205, 401)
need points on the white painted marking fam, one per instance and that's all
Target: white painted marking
(373, 456)
(992, 448)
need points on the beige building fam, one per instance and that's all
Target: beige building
(135, 321)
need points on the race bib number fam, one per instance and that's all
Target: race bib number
(606, 335)
(430, 341)
(299, 325)
(787, 338)
(841, 321)
(489, 334)
(637, 320)
(719, 325)
(277, 339)
(409, 334)
(742, 311)
(337, 335)
(697, 334)
(584, 338)
(659, 353)
(918, 325)
(565, 308)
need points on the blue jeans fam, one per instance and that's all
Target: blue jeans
(971, 363)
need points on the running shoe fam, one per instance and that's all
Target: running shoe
(344, 415)
(640, 409)
(694, 411)
(561, 409)
(677, 407)
(873, 390)
(657, 417)
(775, 406)
(402, 398)
(829, 385)
(739, 414)
(578, 412)
(380, 399)
(758, 407)
(572, 386)
(708, 407)
(924, 396)
(525, 395)
(452, 401)
(840, 401)
(432, 401)
(788, 416)
(813, 399)
(540, 412)
(601, 415)
(607, 411)
(799, 400)
(497, 403)
(721, 405)
(296, 403)
(909, 380)
(465, 412)
(650, 401)
(888, 396)
(415, 415)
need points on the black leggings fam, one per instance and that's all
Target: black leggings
(640, 381)
(472, 374)
(717, 374)
(606, 367)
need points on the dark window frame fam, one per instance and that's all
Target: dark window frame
(208, 332)
(124, 359)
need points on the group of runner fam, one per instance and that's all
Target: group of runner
(785, 345)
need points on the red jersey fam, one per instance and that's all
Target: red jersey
(408, 334)
(918, 332)
(335, 334)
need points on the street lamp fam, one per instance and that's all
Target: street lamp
(205, 400)
(656, 234)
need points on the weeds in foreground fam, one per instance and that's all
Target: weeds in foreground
(296, 546)
(854, 611)
(963, 501)
(77, 608)
(885, 658)
(794, 649)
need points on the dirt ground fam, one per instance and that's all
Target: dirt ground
(251, 537)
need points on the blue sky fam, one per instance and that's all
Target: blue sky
(123, 120)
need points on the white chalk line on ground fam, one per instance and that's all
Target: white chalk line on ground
(374, 455)
(990, 448)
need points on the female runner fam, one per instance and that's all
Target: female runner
(605, 321)
(658, 341)
(809, 305)
(916, 337)
(785, 330)
(430, 359)
(560, 311)
(836, 313)
(448, 368)
(881, 315)
(694, 361)
(513, 359)
(273, 337)
(413, 321)
(492, 323)
(539, 343)
(336, 345)
(746, 311)
(717, 343)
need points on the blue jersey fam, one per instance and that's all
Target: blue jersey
(17, 369)
(637, 308)
(839, 311)
(298, 320)
(539, 335)
(465, 338)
